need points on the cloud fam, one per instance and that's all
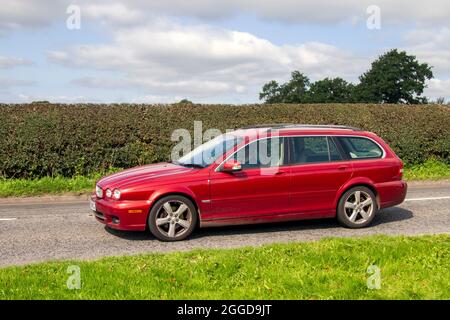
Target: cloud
(27, 98)
(438, 88)
(155, 57)
(37, 13)
(431, 45)
(9, 83)
(112, 12)
(190, 87)
(298, 11)
(168, 58)
(156, 99)
(11, 62)
(19, 14)
(30, 14)
(331, 11)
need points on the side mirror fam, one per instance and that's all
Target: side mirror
(231, 166)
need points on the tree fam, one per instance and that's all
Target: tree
(271, 92)
(40, 102)
(395, 77)
(185, 101)
(293, 91)
(335, 90)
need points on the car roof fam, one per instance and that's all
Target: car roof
(280, 126)
(298, 129)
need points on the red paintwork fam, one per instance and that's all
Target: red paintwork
(306, 191)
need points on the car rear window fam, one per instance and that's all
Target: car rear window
(360, 148)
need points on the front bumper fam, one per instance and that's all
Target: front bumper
(121, 215)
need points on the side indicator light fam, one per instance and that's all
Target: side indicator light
(134, 211)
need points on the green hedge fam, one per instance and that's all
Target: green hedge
(49, 139)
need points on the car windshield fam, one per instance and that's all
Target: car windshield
(208, 152)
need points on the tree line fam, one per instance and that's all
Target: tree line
(395, 77)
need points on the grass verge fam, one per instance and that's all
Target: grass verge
(410, 268)
(430, 170)
(46, 185)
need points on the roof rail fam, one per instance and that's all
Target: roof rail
(300, 126)
(262, 126)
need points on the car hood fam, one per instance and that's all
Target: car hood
(143, 175)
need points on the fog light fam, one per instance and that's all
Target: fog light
(115, 220)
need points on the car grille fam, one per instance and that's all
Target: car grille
(100, 216)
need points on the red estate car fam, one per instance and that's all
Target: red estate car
(254, 175)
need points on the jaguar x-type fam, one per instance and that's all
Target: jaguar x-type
(254, 175)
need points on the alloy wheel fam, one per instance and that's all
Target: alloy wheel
(173, 218)
(358, 207)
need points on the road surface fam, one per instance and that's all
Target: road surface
(40, 230)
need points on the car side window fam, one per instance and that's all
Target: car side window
(264, 153)
(309, 150)
(360, 148)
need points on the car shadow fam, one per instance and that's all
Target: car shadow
(392, 214)
(130, 235)
(385, 216)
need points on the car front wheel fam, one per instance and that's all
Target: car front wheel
(357, 207)
(172, 218)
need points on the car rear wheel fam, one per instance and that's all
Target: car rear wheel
(172, 218)
(357, 207)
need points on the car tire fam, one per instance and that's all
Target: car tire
(357, 207)
(172, 218)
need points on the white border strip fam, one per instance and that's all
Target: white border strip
(426, 199)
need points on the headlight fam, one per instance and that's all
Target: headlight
(108, 193)
(116, 194)
(98, 192)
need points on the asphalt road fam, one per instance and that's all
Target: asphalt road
(40, 230)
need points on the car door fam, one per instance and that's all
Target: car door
(260, 188)
(318, 170)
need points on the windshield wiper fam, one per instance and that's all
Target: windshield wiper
(189, 165)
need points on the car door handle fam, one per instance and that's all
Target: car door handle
(279, 172)
(342, 167)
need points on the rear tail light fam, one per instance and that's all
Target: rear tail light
(400, 171)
